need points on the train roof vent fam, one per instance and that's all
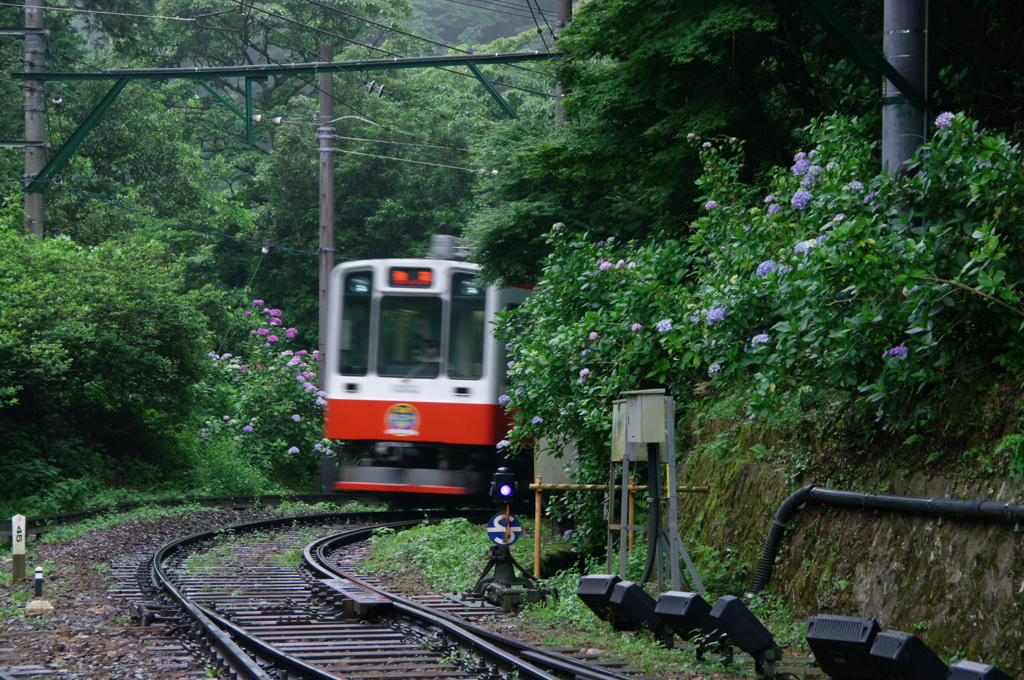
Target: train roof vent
(446, 247)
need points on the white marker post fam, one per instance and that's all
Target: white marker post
(18, 540)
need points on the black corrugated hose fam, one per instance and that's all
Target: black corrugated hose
(934, 506)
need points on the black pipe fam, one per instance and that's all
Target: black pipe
(933, 506)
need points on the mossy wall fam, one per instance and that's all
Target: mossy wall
(957, 584)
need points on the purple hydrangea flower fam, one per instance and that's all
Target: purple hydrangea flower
(519, 390)
(293, 450)
(814, 170)
(900, 351)
(944, 121)
(636, 327)
(770, 198)
(808, 181)
(839, 218)
(320, 401)
(309, 387)
(716, 314)
(870, 197)
(619, 264)
(318, 447)
(801, 167)
(504, 399)
(766, 268)
(664, 325)
(758, 339)
(287, 353)
(272, 338)
(249, 313)
(799, 156)
(296, 417)
(855, 186)
(537, 420)
(801, 199)
(301, 352)
(804, 246)
(585, 372)
(710, 205)
(631, 265)
(258, 303)
(706, 145)
(274, 312)
(584, 352)
(593, 335)
(559, 225)
(748, 227)
(226, 356)
(247, 428)
(294, 361)
(502, 444)
(274, 321)
(774, 208)
(695, 318)
(820, 238)
(714, 368)
(605, 266)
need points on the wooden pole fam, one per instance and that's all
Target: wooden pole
(538, 514)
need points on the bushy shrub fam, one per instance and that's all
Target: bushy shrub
(828, 275)
(263, 415)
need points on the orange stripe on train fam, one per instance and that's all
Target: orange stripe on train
(352, 419)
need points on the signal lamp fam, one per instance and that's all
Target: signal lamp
(632, 609)
(842, 646)
(971, 670)
(596, 592)
(903, 656)
(687, 614)
(745, 630)
(504, 487)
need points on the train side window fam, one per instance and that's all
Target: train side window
(466, 335)
(355, 323)
(410, 337)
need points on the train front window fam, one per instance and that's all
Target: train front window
(466, 339)
(410, 337)
(355, 324)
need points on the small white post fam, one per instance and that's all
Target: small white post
(18, 540)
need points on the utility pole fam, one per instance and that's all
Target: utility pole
(563, 19)
(325, 133)
(905, 44)
(35, 117)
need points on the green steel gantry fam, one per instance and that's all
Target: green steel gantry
(251, 73)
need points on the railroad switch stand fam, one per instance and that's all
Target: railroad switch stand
(505, 589)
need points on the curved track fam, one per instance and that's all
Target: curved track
(281, 599)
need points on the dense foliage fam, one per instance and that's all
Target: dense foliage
(829, 277)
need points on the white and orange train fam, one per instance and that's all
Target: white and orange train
(413, 375)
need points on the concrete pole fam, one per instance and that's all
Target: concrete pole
(326, 137)
(563, 19)
(19, 538)
(904, 42)
(35, 116)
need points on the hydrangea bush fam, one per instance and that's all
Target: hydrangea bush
(828, 274)
(264, 410)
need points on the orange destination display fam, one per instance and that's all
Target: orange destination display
(408, 277)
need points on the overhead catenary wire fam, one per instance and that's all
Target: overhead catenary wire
(96, 11)
(408, 160)
(490, 9)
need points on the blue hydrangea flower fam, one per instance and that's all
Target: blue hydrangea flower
(714, 368)
(716, 314)
(801, 167)
(664, 325)
(537, 420)
(758, 339)
(801, 199)
(766, 268)
(900, 351)
(769, 198)
(774, 208)
(804, 246)
(799, 156)
(293, 450)
(710, 205)
(695, 318)
(808, 181)
(502, 444)
(636, 327)
(855, 186)
(504, 399)
(870, 197)
(945, 120)
(784, 269)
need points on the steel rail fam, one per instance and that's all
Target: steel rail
(510, 651)
(230, 641)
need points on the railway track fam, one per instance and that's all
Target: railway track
(283, 599)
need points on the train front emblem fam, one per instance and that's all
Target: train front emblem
(402, 420)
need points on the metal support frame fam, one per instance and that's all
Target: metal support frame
(870, 62)
(667, 544)
(251, 73)
(248, 106)
(38, 183)
(504, 105)
(223, 101)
